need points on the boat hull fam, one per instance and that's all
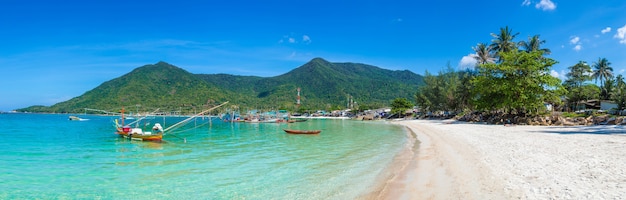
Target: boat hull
(152, 137)
(290, 131)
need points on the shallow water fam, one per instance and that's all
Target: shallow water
(45, 156)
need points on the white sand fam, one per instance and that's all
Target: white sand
(476, 161)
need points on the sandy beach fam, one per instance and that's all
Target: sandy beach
(475, 161)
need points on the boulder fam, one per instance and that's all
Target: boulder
(619, 120)
(599, 119)
(611, 121)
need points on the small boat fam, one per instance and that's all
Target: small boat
(139, 134)
(74, 118)
(291, 131)
(301, 119)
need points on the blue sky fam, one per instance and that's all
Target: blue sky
(53, 51)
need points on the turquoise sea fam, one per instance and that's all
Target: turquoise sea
(47, 156)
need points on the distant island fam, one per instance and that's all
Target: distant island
(324, 86)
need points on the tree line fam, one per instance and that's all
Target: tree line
(515, 78)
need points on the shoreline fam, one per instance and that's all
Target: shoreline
(458, 160)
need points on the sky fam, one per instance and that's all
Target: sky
(53, 51)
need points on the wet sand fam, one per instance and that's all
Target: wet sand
(475, 161)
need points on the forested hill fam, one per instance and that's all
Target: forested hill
(324, 85)
(160, 85)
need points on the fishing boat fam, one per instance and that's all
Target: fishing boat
(292, 131)
(157, 132)
(139, 134)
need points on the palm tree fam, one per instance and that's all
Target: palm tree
(483, 54)
(603, 71)
(533, 44)
(503, 42)
(620, 81)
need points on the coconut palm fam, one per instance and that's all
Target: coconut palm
(603, 71)
(533, 44)
(620, 81)
(503, 42)
(483, 54)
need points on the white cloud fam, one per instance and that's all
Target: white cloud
(554, 73)
(306, 39)
(467, 62)
(292, 40)
(578, 47)
(545, 5)
(574, 40)
(621, 35)
(526, 3)
(606, 30)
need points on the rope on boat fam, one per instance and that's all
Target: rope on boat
(180, 131)
(187, 120)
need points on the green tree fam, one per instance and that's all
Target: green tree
(588, 92)
(428, 96)
(503, 42)
(464, 89)
(440, 93)
(400, 106)
(534, 44)
(619, 93)
(576, 77)
(602, 70)
(520, 84)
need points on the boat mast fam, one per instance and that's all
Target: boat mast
(123, 116)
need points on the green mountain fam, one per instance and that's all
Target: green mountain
(324, 85)
(151, 86)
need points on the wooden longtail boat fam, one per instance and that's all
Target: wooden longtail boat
(138, 134)
(291, 131)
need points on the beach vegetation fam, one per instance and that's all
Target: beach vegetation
(509, 77)
(520, 84)
(484, 54)
(503, 42)
(577, 85)
(447, 91)
(603, 71)
(400, 106)
(534, 44)
(619, 93)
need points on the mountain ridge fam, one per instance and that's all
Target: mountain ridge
(325, 85)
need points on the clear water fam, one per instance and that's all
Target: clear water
(45, 156)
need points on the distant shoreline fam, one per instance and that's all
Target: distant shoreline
(320, 117)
